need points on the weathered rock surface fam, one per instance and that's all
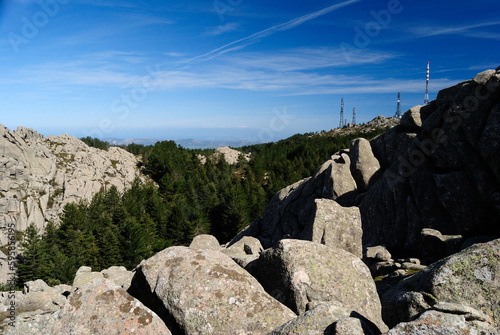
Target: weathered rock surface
(84, 275)
(438, 323)
(99, 307)
(378, 254)
(207, 242)
(204, 292)
(37, 295)
(470, 278)
(411, 120)
(302, 274)
(119, 275)
(317, 321)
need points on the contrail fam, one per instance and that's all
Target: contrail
(269, 31)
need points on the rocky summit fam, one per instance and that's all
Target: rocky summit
(397, 235)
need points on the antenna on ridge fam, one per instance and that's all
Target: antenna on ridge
(398, 110)
(426, 99)
(341, 124)
(354, 116)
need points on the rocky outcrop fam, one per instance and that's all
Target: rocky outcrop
(468, 279)
(446, 178)
(39, 175)
(293, 211)
(231, 156)
(303, 274)
(437, 170)
(204, 292)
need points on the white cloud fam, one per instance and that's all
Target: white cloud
(219, 30)
(243, 42)
(469, 30)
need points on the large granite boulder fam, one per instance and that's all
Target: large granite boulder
(303, 274)
(204, 292)
(98, 307)
(470, 278)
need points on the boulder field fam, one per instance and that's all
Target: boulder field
(397, 235)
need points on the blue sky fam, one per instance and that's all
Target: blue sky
(226, 69)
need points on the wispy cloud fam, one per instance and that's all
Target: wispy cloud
(465, 30)
(219, 30)
(302, 59)
(105, 3)
(242, 42)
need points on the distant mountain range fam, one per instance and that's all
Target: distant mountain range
(188, 143)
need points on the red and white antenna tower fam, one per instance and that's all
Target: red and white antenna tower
(426, 99)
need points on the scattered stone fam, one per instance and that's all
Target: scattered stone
(378, 254)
